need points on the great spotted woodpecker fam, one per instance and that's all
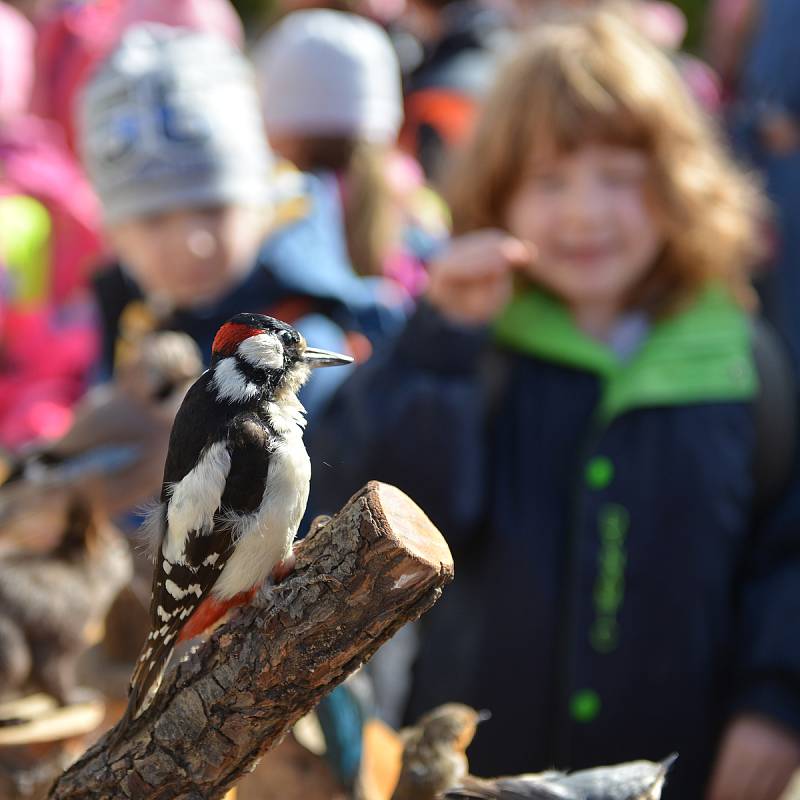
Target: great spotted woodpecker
(235, 486)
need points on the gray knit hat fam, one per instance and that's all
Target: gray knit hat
(172, 120)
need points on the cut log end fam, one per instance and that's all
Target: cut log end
(375, 566)
(409, 526)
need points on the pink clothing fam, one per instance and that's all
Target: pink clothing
(43, 368)
(17, 38)
(728, 28)
(201, 15)
(37, 163)
(76, 36)
(702, 81)
(46, 352)
(663, 23)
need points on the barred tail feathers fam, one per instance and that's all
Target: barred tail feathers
(147, 675)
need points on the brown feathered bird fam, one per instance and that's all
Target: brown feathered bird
(637, 780)
(53, 604)
(114, 452)
(434, 756)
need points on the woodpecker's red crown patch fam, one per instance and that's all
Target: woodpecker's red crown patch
(230, 335)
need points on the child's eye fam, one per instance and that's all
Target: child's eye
(547, 181)
(153, 222)
(622, 176)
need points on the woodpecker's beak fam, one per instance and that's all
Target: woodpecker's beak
(315, 357)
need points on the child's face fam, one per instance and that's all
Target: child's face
(190, 257)
(591, 219)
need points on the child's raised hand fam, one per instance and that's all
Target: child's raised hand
(756, 760)
(471, 281)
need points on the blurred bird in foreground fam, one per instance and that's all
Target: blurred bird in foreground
(434, 756)
(114, 452)
(53, 605)
(637, 780)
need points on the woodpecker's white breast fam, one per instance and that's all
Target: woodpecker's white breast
(265, 537)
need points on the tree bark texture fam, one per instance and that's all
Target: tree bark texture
(362, 575)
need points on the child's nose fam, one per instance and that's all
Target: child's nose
(585, 203)
(200, 242)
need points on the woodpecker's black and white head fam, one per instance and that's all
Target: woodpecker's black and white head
(255, 357)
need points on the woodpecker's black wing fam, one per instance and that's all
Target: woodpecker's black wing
(224, 482)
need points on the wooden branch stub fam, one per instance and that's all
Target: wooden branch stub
(378, 564)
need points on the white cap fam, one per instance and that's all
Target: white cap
(324, 72)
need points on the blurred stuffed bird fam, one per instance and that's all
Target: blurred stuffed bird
(637, 780)
(53, 605)
(434, 756)
(114, 452)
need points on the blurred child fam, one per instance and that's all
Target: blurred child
(46, 350)
(48, 235)
(459, 41)
(576, 405)
(173, 142)
(330, 85)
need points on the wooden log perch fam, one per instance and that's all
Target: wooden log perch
(378, 564)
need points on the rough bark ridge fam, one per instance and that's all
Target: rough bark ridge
(378, 564)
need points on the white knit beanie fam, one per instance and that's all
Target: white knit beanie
(324, 72)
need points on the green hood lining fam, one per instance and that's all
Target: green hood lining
(701, 354)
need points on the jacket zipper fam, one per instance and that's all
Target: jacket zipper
(566, 634)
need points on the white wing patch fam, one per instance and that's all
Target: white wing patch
(194, 500)
(231, 384)
(178, 593)
(263, 351)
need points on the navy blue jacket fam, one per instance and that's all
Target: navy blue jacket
(616, 594)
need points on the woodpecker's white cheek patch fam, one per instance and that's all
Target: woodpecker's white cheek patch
(263, 351)
(194, 501)
(231, 384)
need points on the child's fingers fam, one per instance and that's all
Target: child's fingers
(755, 762)
(519, 253)
(479, 305)
(481, 255)
(472, 281)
